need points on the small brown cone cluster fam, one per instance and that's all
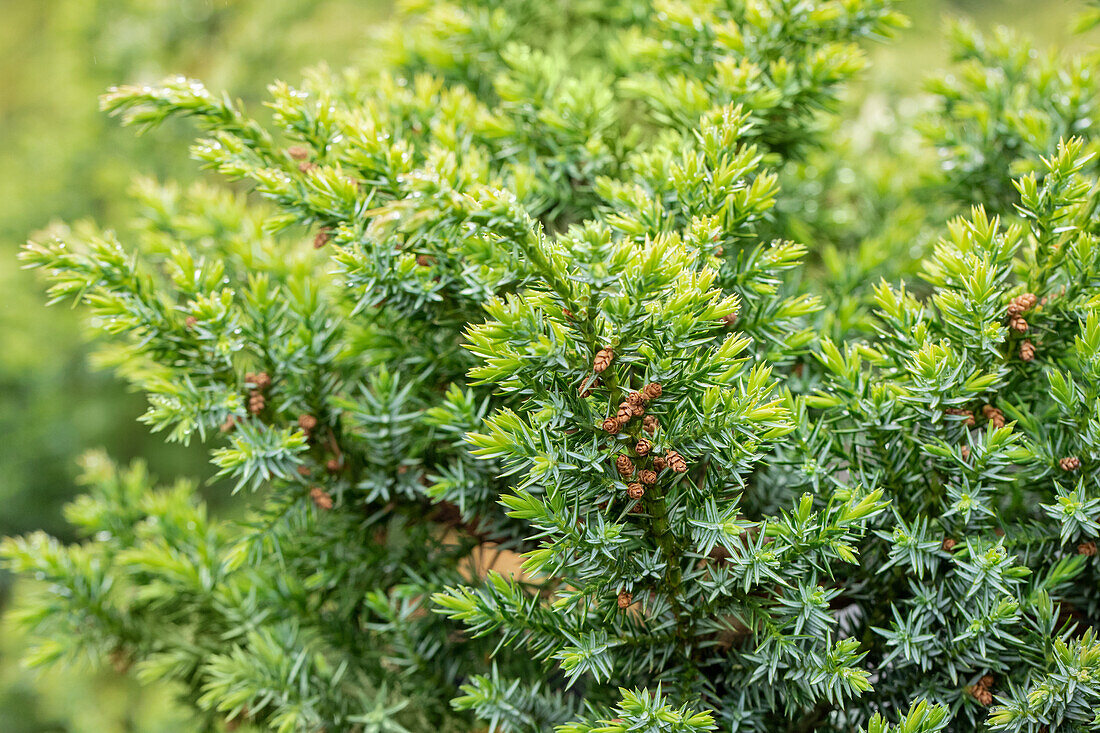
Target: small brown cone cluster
(603, 359)
(322, 238)
(1070, 463)
(948, 544)
(730, 318)
(1022, 304)
(624, 465)
(625, 599)
(229, 424)
(981, 691)
(1088, 549)
(321, 498)
(308, 423)
(964, 451)
(1027, 351)
(1017, 308)
(256, 400)
(333, 465)
(190, 321)
(962, 413)
(298, 152)
(633, 406)
(676, 461)
(993, 415)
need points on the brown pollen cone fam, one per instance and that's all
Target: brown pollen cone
(676, 461)
(993, 415)
(603, 359)
(1070, 463)
(624, 465)
(1021, 304)
(981, 694)
(320, 498)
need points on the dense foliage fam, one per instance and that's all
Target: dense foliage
(64, 159)
(563, 399)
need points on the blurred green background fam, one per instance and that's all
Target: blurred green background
(62, 159)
